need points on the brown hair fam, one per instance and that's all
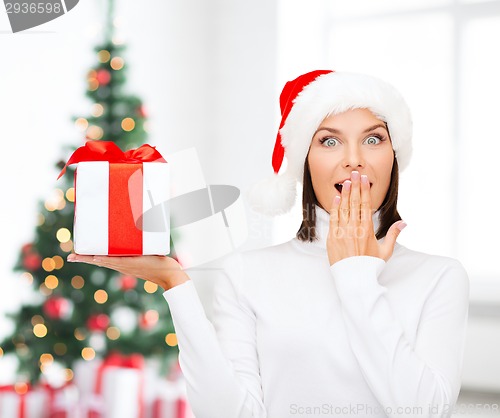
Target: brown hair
(388, 210)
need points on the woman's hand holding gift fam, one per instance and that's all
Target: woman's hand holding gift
(162, 270)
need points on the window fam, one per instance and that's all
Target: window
(441, 55)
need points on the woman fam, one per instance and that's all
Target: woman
(341, 320)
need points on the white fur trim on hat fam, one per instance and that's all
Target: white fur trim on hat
(331, 94)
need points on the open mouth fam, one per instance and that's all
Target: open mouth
(338, 186)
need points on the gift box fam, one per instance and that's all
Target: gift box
(121, 200)
(25, 403)
(62, 402)
(171, 400)
(112, 388)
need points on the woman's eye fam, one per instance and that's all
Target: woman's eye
(329, 142)
(373, 140)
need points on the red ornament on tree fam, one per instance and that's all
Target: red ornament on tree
(127, 282)
(141, 111)
(27, 248)
(57, 307)
(32, 261)
(103, 77)
(148, 319)
(98, 322)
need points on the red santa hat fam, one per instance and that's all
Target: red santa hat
(304, 103)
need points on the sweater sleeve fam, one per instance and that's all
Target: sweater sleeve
(218, 359)
(422, 379)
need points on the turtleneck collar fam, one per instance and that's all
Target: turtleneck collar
(323, 225)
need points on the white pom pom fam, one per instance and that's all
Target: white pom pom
(273, 196)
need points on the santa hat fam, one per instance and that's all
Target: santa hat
(304, 103)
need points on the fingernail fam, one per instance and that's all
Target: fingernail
(355, 175)
(364, 179)
(401, 226)
(336, 200)
(96, 259)
(347, 185)
(71, 258)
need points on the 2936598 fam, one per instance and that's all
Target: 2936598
(34, 8)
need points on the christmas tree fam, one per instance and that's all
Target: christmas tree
(81, 311)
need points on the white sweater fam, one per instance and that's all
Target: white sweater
(292, 336)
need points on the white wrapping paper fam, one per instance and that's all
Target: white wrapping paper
(36, 402)
(119, 397)
(92, 204)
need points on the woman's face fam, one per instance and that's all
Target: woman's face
(355, 140)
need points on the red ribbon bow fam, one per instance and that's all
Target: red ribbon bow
(109, 151)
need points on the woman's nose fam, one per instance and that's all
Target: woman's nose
(353, 157)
